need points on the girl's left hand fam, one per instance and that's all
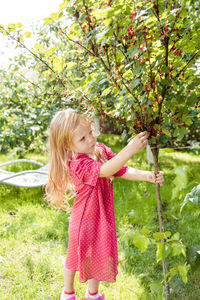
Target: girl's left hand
(159, 178)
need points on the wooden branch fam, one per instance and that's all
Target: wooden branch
(187, 63)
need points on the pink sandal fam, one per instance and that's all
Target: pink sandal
(71, 298)
(102, 297)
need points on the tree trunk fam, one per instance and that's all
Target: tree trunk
(155, 152)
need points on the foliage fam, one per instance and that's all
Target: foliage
(139, 62)
(167, 245)
(132, 62)
(25, 114)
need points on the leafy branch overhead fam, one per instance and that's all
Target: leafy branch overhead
(139, 61)
(132, 62)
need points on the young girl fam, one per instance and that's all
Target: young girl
(77, 160)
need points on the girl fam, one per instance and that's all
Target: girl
(76, 160)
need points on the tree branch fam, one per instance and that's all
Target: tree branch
(181, 71)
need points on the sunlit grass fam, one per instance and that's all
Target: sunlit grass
(34, 236)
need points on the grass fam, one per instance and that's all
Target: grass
(34, 236)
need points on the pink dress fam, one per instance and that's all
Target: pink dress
(92, 247)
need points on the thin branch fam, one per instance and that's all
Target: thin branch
(33, 54)
(187, 63)
(26, 79)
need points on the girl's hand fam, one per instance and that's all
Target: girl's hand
(159, 178)
(139, 142)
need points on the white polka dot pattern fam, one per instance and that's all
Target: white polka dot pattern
(92, 247)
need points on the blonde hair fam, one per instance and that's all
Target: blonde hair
(60, 188)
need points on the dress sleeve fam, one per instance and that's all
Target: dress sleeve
(109, 155)
(86, 169)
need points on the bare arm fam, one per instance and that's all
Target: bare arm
(113, 165)
(139, 175)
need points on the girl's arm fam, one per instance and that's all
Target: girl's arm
(113, 165)
(139, 175)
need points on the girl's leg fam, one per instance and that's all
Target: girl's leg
(93, 286)
(69, 280)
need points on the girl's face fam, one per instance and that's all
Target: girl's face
(84, 139)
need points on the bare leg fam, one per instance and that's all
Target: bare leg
(69, 280)
(93, 285)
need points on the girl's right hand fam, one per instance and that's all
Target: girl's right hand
(139, 142)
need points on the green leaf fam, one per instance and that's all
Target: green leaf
(145, 231)
(55, 16)
(27, 34)
(70, 65)
(183, 269)
(175, 237)
(128, 74)
(48, 21)
(167, 250)
(50, 51)
(134, 82)
(159, 252)
(105, 12)
(159, 236)
(18, 25)
(62, 6)
(137, 70)
(119, 56)
(165, 131)
(58, 64)
(141, 242)
(132, 52)
(168, 234)
(115, 90)
(180, 132)
(91, 59)
(38, 46)
(178, 248)
(174, 271)
(106, 91)
(11, 27)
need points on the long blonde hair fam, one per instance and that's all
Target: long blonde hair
(62, 128)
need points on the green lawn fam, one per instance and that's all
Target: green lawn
(34, 236)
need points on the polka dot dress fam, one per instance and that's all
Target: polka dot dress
(92, 247)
